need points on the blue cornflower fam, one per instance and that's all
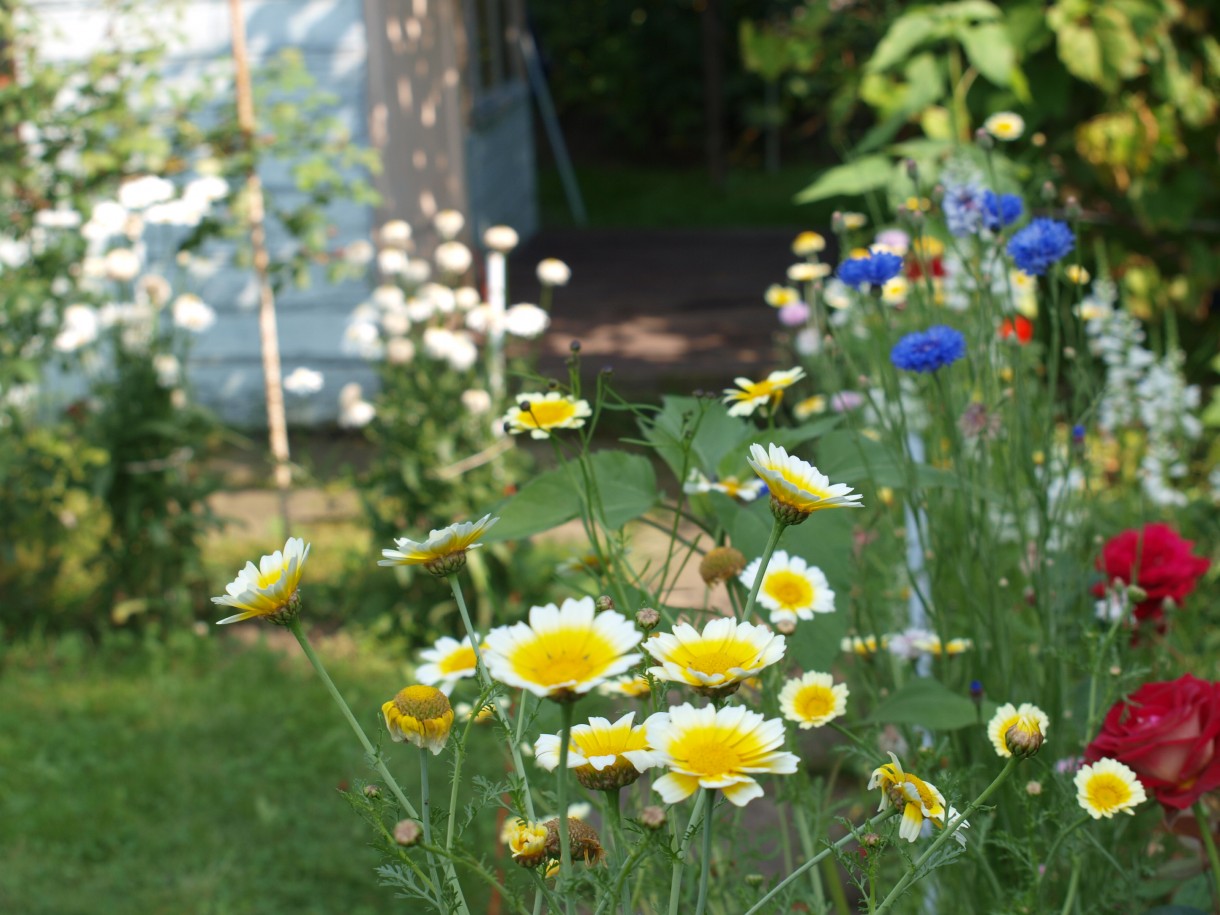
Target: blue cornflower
(877, 269)
(963, 208)
(1000, 211)
(1040, 244)
(929, 350)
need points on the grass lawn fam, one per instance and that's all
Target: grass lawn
(197, 777)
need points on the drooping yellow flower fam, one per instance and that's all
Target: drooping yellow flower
(1020, 730)
(1108, 787)
(808, 243)
(1005, 125)
(791, 589)
(918, 799)
(563, 652)
(749, 395)
(813, 700)
(1077, 274)
(444, 551)
(717, 660)
(542, 414)
(797, 487)
(447, 662)
(270, 589)
(810, 406)
(605, 756)
(420, 715)
(526, 841)
(716, 748)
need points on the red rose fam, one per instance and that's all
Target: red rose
(1169, 734)
(1158, 561)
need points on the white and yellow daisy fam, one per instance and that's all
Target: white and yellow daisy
(541, 414)
(808, 243)
(919, 799)
(630, 686)
(420, 715)
(797, 486)
(526, 842)
(853, 221)
(563, 652)
(749, 395)
(1108, 787)
(605, 756)
(742, 490)
(711, 748)
(443, 552)
(894, 291)
(791, 589)
(1024, 288)
(810, 406)
(813, 700)
(808, 273)
(1077, 274)
(270, 589)
(778, 296)
(865, 646)
(447, 662)
(1005, 125)
(1019, 730)
(716, 660)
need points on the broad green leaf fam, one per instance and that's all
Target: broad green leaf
(908, 32)
(815, 644)
(926, 702)
(716, 433)
(857, 177)
(627, 485)
(990, 51)
(547, 501)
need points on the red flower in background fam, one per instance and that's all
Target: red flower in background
(1169, 734)
(1156, 560)
(1021, 328)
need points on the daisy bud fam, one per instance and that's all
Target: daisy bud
(1033, 788)
(372, 791)
(1136, 594)
(574, 346)
(786, 626)
(754, 881)
(1048, 191)
(652, 817)
(785, 514)
(1023, 740)
(870, 839)
(647, 618)
(582, 837)
(604, 603)
(721, 564)
(407, 832)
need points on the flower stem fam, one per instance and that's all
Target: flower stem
(617, 889)
(294, 626)
(614, 818)
(1209, 843)
(425, 804)
(675, 882)
(1050, 855)
(705, 866)
(777, 531)
(945, 834)
(565, 840)
(1070, 899)
(779, 887)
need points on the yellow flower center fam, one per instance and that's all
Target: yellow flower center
(815, 702)
(789, 589)
(543, 414)
(803, 485)
(708, 753)
(460, 660)
(564, 657)
(764, 388)
(267, 579)
(1107, 791)
(716, 657)
(613, 742)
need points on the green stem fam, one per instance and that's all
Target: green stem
(1050, 855)
(1209, 843)
(1070, 899)
(779, 887)
(777, 531)
(617, 889)
(425, 804)
(675, 882)
(947, 833)
(705, 866)
(565, 840)
(295, 628)
(614, 818)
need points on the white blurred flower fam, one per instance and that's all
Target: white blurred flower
(395, 322)
(462, 352)
(363, 339)
(359, 252)
(453, 257)
(133, 226)
(388, 296)
(399, 351)
(526, 320)
(167, 368)
(395, 234)
(155, 288)
(441, 297)
(418, 271)
(192, 313)
(392, 261)
(13, 253)
(122, 265)
(356, 415)
(141, 193)
(206, 190)
(420, 310)
(837, 295)
(449, 223)
(177, 398)
(79, 328)
(303, 381)
(478, 319)
(476, 401)
(807, 342)
(58, 218)
(501, 238)
(184, 212)
(467, 297)
(137, 326)
(553, 272)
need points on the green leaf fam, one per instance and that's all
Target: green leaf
(990, 51)
(716, 435)
(627, 485)
(928, 703)
(857, 177)
(907, 33)
(546, 501)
